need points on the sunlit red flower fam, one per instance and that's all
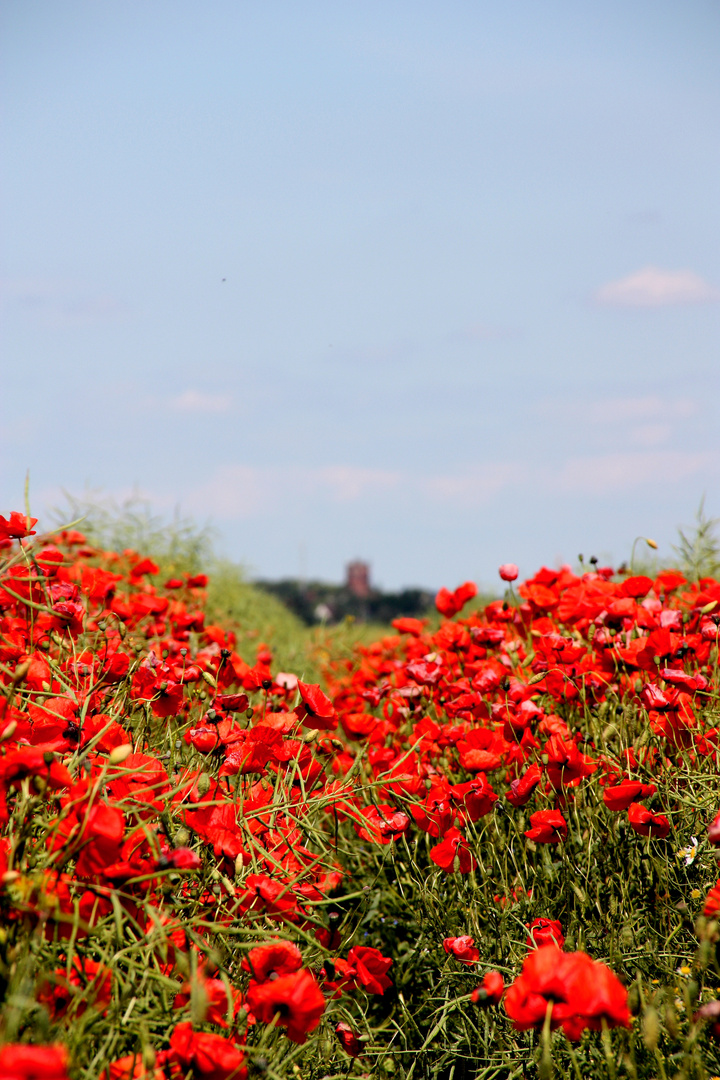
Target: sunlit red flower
(278, 958)
(462, 948)
(522, 788)
(547, 827)
(450, 603)
(369, 967)
(210, 1057)
(545, 932)
(712, 901)
(490, 990)
(23, 1062)
(453, 855)
(580, 992)
(348, 1039)
(296, 1000)
(619, 796)
(714, 831)
(16, 526)
(476, 797)
(132, 1067)
(316, 710)
(646, 823)
(508, 571)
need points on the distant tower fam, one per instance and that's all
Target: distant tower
(358, 579)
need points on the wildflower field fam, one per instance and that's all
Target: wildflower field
(482, 847)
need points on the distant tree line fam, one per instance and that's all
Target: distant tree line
(319, 602)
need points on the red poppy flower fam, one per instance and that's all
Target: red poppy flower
(16, 526)
(450, 603)
(408, 625)
(145, 566)
(490, 990)
(712, 900)
(88, 985)
(508, 571)
(462, 948)
(522, 788)
(348, 1039)
(383, 824)
(580, 992)
(482, 749)
(317, 710)
(132, 1067)
(369, 967)
(714, 831)
(688, 682)
(636, 586)
(181, 858)
(22, 1062)
(453, 855)
(30, 761)
(214, 993)
(296, 1000)
(210, 1057)
(619, 796)
(565, 762)
(545, 932)
(644, 822)
(476, 797)
(548, 827)
(278, 958)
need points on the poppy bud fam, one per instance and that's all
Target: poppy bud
(118, 754)
(508, 571)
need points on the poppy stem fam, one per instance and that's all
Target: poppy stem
(545, 1066)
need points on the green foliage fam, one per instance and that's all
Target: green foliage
(699, 548)
(178, 545)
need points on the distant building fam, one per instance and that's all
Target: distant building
(357, 581)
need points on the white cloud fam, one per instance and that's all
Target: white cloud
(647, 408)
(613, 473)
(243, 491)
(233, 491)
(347, 483)
(650, 434)
(653, 287)
(197, 401)
(474, 485)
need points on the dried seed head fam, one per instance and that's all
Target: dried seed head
(651, 1028)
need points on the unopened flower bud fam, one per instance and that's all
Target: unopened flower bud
(118, 754)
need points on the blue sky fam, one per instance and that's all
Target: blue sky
(435, 285)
